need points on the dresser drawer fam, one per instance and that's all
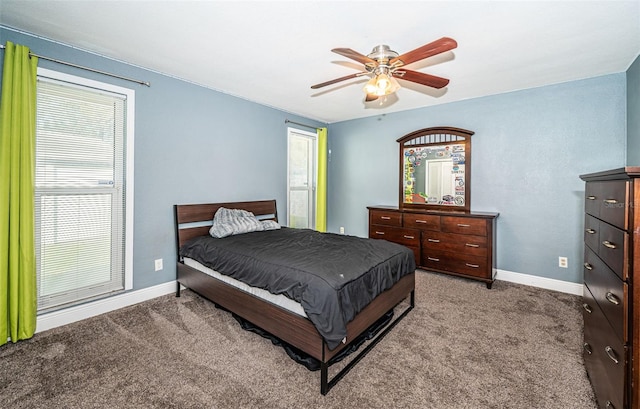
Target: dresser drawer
(464, 225)
(458, 243)
(421, 221)
(455, 263)
(604, 355)
(609, 292)
(613, 249)
(407, 237)
(591, 230)
(608, 201)
(385, 217)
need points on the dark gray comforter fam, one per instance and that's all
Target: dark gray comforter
(332, 276)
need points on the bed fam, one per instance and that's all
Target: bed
(307, 329)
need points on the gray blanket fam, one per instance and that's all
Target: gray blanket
(332, 276)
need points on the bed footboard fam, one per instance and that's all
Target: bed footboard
(294, 329)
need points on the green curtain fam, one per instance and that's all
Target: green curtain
(321, 187)
(18, 291)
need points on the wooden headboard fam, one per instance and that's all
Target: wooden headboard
(193, 220)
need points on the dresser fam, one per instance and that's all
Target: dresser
(611, 293)
(457, 243)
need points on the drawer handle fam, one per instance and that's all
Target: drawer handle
(408, 237)
(420, 221)
(588, 266)
(591, 197)
(587, 348)
(385, 217)
(433, 240)
(472, 265)
(611, 354)
(590, 231)
(610, 201)
(608, 244)
(433, 259)
(611, 297)
(587, 308)
(609, 405)
(380, 233)
(472, 245)
(463, 225)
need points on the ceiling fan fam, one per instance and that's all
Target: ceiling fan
(384, 65)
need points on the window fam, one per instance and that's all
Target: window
(301, 179)
(84, 185)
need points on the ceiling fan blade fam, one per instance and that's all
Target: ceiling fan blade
(354, 55)
(421, 78)
(346, 77)
(427, 50)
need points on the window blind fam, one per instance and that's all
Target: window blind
(80, 195)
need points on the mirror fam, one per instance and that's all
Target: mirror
(435, 169)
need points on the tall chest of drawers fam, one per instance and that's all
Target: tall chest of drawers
(611, 294)
(460, 244)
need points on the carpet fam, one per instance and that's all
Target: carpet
(463, 346)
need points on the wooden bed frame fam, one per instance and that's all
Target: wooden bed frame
(287, 326)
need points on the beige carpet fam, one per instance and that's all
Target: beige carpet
(463, 346)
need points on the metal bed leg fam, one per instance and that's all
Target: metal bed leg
(177, 289)
(324, 376)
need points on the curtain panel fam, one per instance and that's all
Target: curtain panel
(18, 287)
(321, 183)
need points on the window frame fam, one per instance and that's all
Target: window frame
(312, 173)
(128, 150)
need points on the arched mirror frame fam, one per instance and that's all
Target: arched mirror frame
(436, 137)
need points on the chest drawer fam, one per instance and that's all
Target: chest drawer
(457, 243)
(613, 248)
(609, 292)
(608, 201)
(591, 229)
(407, 237)
(464, 225)
(385, 218)
(421, 221)
(604, 355)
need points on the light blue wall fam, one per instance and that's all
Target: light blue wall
(529, 149)
(192, 145)
(633, 114)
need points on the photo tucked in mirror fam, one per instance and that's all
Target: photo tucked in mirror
(434, 175)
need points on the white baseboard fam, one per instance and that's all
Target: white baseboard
(80, 312)
(541, 282)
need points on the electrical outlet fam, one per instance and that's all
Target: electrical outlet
(562, 262)
(158, 264)
(341, 230)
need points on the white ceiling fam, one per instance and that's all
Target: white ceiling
(271, 52)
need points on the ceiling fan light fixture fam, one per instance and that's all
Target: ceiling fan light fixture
(380, 85)
(383, 84)
(395, 85)
(370, 87)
